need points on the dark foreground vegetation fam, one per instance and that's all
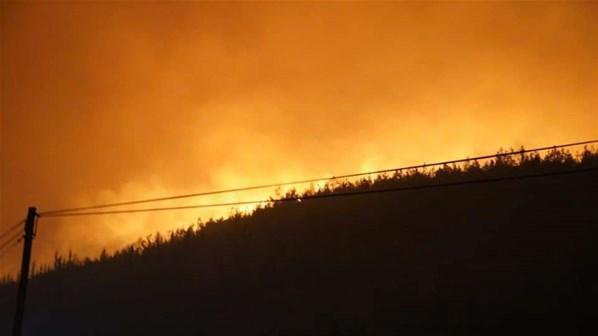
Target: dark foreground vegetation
(511, 257)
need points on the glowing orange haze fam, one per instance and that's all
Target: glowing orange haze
(108, 102)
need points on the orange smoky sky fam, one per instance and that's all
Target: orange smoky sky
(103, 102)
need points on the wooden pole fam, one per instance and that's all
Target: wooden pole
(24, 278)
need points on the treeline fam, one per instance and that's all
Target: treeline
(514, 256)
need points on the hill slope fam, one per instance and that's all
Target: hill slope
(491, 258)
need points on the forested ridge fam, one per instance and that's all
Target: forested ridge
(505, 257)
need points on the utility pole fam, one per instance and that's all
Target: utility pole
(29, 233)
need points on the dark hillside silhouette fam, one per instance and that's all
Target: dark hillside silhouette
(510, 257)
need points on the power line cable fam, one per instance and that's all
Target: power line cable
(8, 246)
(12, 228)
(273, 185)
(10, 240)
(332, 195)
(3, 252)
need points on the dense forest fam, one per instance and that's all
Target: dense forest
(512, 256)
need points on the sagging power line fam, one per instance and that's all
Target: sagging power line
(8, 247)
(313, 180)
(9, 243)
(12, 240)
(331, 195)
(12, 228)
